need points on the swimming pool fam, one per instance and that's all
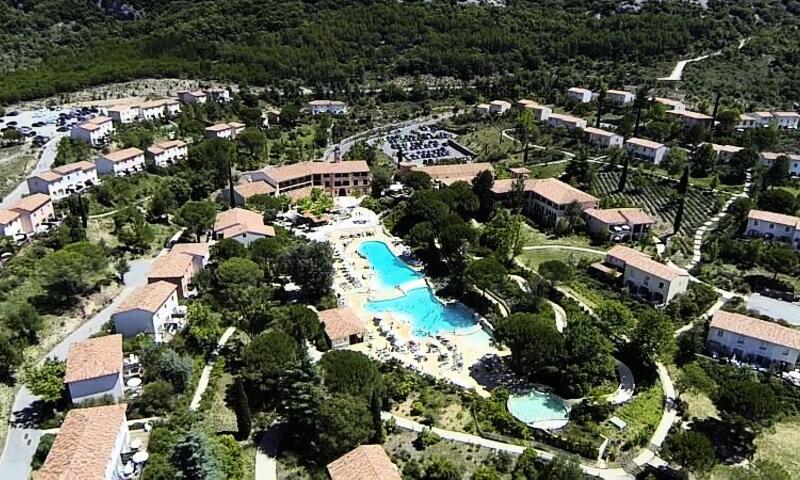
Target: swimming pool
(539, 409)
(425, 313)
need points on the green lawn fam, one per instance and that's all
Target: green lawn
(642, 414)
(547, 171)
(533, 258)
(534, 236)
(779, 444)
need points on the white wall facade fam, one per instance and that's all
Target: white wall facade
(583, 96)
(11, 228)
(655, 285)
(151, 113)
(127, 115)
(133, 322)
(65, 185)
(131, 165)
(605, 141)
(654, 155)
(730, 343)
(335, 109)
(173, 155)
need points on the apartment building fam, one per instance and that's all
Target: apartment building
(645, 277)
(768, 159)
(620, 97)
(567, 121)
(147, 310)
(94, 369)
(342, 327)
(545, 200)
(625, 223)
(602, 138)
(244, 226)
(228, 130)
(152, 110)
(60, 182)
(168, 152)
(337, 179)
(787, 120)
(121, 162)
(690, 119)
(245, 191)
(27, 215)
(194, 96)
(333, 107)
(671, 104)
(649, 150)
(449, 174)
(773, 226)
(124, 113)
(221, 95)
(95, 131)
(581, 95)
(753, 340)
(175, 268)
(499, 107)
(725, 152)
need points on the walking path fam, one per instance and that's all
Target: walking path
(205, 376)
(267, 453)
(23, 436)
(677, 72)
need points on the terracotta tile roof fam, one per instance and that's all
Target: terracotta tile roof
(599, 131)
(148, 297)
(579, 90)
(786, 114)
(726, 148)
(527, 103)
(618, 92)
(341, 323)
(519, 170)
(48, 176)
(171, 265)
(641, 261)
(236, 221)
(667, 101)
(122, 155)
(153, 104)
(367, 462)
(71, 167)
(218, 127)
(95, 357)
(502, 186)
(31, 203)
(195, 93)
(325, 103)
(247, 190)
(121, 108)
(771, 332)
(566, 118)
(620, 216)
(160, 147)
(99, 120)
(690, 114)
(298, 193)
(89, 127)
(303, 169)
(557, 191)
(8, 216)
(500, 103)
(458, 170)
(774, 155)
(762, 115)
(195, 249)
(236, 124)
(772, 217)
(642, 142)
(85, 444)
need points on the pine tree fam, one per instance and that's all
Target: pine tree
(241, 406)
(623, 179)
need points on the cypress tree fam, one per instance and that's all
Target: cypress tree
(241, 407)
(377, 423)
(679, 216)
(623, 179)
(684, 183)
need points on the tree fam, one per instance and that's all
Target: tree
(350, 373)
(311, 267)
(777, 200)
(442, 468)
(266, 361)
(525, 469)
(676, 224)
(196, 217)
(416, 180)
(158, 398)
(254, 141)
(778, 173)
(241, 407)
(743, 160)
(71, 270)
(561, 469)
(485, 273)
(586, 357)
(652, 339)
(226, 249)
(71, 151)
(300, 322)
(527, 131)
(704, 160)
(555, 271)
(343, 423)
(485, 472)
(690, 450)
(503, 235)
(747, 403)
(10, 356)
(780, 259)
(214, 157)
(22, 322)
(623, 178)
(533, 339)
(615, 318)
(203, 327)
(193, 458)
(47, 381)
(381, 179)
(683, 184)
(163, 362)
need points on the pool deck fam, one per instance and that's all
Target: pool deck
(375, 344)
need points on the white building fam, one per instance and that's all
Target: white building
(95, 131)
(89, 445)
(196, 96)
(603, 138)
(567, 121)
(200, 253)
(752, 340)
(625, 223)
(175, 268)
(620, 97)
(124, 113)
(671, 104)
(786, 119)
(499, 107)
(547, 199)
(65, 180)
(152, 110)
(172, 106)
(27, 215)
(220, 95)
(646, 149)
(244, 226)
(228, 130)
(334, 107)
(774, 226)
(121, 162)
(746, 121)
(690, 119)
(646, 277)
(725, 152)
(768, 158)
(169, 152)
(94, 369)
(147, 310)
(582, 95)
(541, 113)
(10, 223)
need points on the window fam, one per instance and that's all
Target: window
(660, 284)
(646, 281)
(786, 351)
(771, 226)
(755, 222)
(720, 333)
(740, 341)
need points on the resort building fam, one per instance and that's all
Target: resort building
(366, 462)
(27, 215)
(788, 120)
(752, 340)
(124, 113)
(174, 268)
(152, 110)
(620, 97)
(768, 158)
(338, 179)
(244, 226)
(483, 108)
(121, 162)
(525, 103)
(499, 107)
(449, 174)
(220, 95)
(774, 226)
(746, 121)
(94, 369)
(567, 121)
(541, 113)
(649, 150)
(147, 310)
(229, 130)
(199, 252)
(581, 95)
(89, 445)
(603, 138)
(334, 107)
(245, 191)
(65, 180)
(547, 199)
(167, 153)
(725, 152)
(644, 276)
(626, 223)
(196, 96)
(673, 105)
(690, 119)
(342, 327)
(519, 172)
(95, 131)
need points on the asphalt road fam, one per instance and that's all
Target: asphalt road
(23, 437)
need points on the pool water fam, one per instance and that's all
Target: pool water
(536, 406)
(390, 271)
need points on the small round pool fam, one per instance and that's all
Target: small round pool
(539, 409)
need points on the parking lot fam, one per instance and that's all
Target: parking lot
(422, 144)
(41, 125)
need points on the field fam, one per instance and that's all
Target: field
(533, 258)
(533, 236)
(642, 415)
(655, 199)
(15, 163)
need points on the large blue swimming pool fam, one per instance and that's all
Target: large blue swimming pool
(419, 306)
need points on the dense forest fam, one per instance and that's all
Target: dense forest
(52, 46)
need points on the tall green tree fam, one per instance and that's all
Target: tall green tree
(197, 217)
(241, 406)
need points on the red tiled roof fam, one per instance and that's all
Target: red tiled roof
(236, 221)
(643, 262)
(341, 323)
(31, 203)
(619, 216)
(93, 358)
(148, 297)
(302, 169)
(773, 217)
(458, 170)
(367, 462)
(122, 155)
(755, 328)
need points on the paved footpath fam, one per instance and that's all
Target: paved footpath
(205, 376)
